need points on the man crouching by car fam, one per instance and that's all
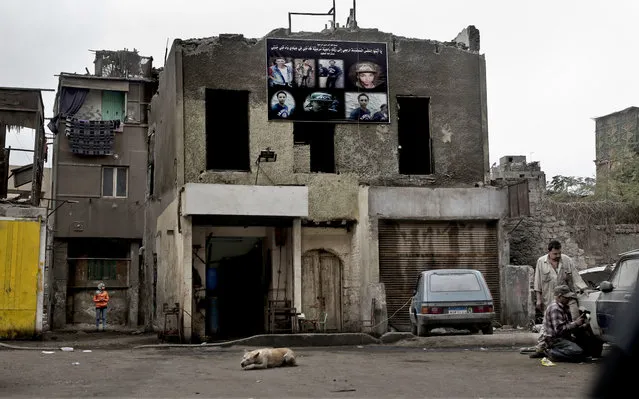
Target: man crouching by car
(566, 339)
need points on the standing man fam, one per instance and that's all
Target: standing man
(554, 269)
(281, 73)
(334, 72)
(101, 300)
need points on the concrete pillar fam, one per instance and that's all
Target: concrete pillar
(134, 284)
(518, 309)
(297, 263)
(185, 257)
(60, 280)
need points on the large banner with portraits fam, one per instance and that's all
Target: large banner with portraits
(321, 81)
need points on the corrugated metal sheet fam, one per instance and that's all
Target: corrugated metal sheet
(407, 248)
(19, 268)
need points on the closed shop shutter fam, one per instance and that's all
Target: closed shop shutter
(19, 276)
(407, 248)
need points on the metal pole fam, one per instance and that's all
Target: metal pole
(289, 23)
(334, 13)
(355, 13)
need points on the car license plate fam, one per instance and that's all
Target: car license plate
(459, 310)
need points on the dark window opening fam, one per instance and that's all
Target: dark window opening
(413, 125)
(227, 130)
(320, 137)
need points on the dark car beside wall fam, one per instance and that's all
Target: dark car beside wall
(456, 298)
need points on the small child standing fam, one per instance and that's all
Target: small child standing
(101, 300)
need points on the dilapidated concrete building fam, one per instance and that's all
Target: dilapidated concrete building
(24, 303)
(617, 145)
(99, 174)
(249, 210)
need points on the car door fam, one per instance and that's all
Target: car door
(610, 305)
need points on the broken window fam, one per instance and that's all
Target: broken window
(314, 147)
(227, 130)
(413, 125)
(98, 259)
(114, 181)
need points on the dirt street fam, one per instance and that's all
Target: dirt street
(372, 371)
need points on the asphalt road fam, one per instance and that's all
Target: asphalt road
(371, 371)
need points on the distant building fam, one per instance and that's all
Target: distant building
(617, 143)
(99, 173)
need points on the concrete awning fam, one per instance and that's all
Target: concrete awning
(244, 200)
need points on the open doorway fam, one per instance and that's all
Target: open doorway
(237, 282)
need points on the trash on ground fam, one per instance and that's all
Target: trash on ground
(547, 362)
(66, 349)
(75, 363)
(48, 352)
(483, 349)
(87, 351)
(360, 346)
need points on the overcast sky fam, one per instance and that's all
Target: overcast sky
(552, 66)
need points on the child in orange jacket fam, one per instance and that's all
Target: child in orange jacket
(101, 300)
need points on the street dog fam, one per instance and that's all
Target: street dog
(267, 358)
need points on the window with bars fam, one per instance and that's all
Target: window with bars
(101, 269)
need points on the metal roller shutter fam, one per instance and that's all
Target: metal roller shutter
(407, 248)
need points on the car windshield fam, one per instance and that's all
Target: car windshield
(454, 282)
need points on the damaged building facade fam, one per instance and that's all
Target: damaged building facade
(24, 306)
(281, 181)
(99, 173)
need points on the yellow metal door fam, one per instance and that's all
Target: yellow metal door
(19, 268)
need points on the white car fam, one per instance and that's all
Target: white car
(608, 303)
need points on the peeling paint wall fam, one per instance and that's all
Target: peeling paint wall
(174, 258)
(165, 127)
(451, 77)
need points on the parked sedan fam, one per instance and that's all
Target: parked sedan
(456, 298)
(608, 305)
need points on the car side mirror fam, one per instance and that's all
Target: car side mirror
(605, 286)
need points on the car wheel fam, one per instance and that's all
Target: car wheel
(488, 330)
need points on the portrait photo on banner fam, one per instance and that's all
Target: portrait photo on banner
(282, 104)
(367, 75)
(305, 72)
(323, 80)
(368, 107)
(281, 72)
(331, 74)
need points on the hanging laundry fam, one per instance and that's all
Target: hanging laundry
(91, 137)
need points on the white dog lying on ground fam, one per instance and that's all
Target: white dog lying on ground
(268, 357)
